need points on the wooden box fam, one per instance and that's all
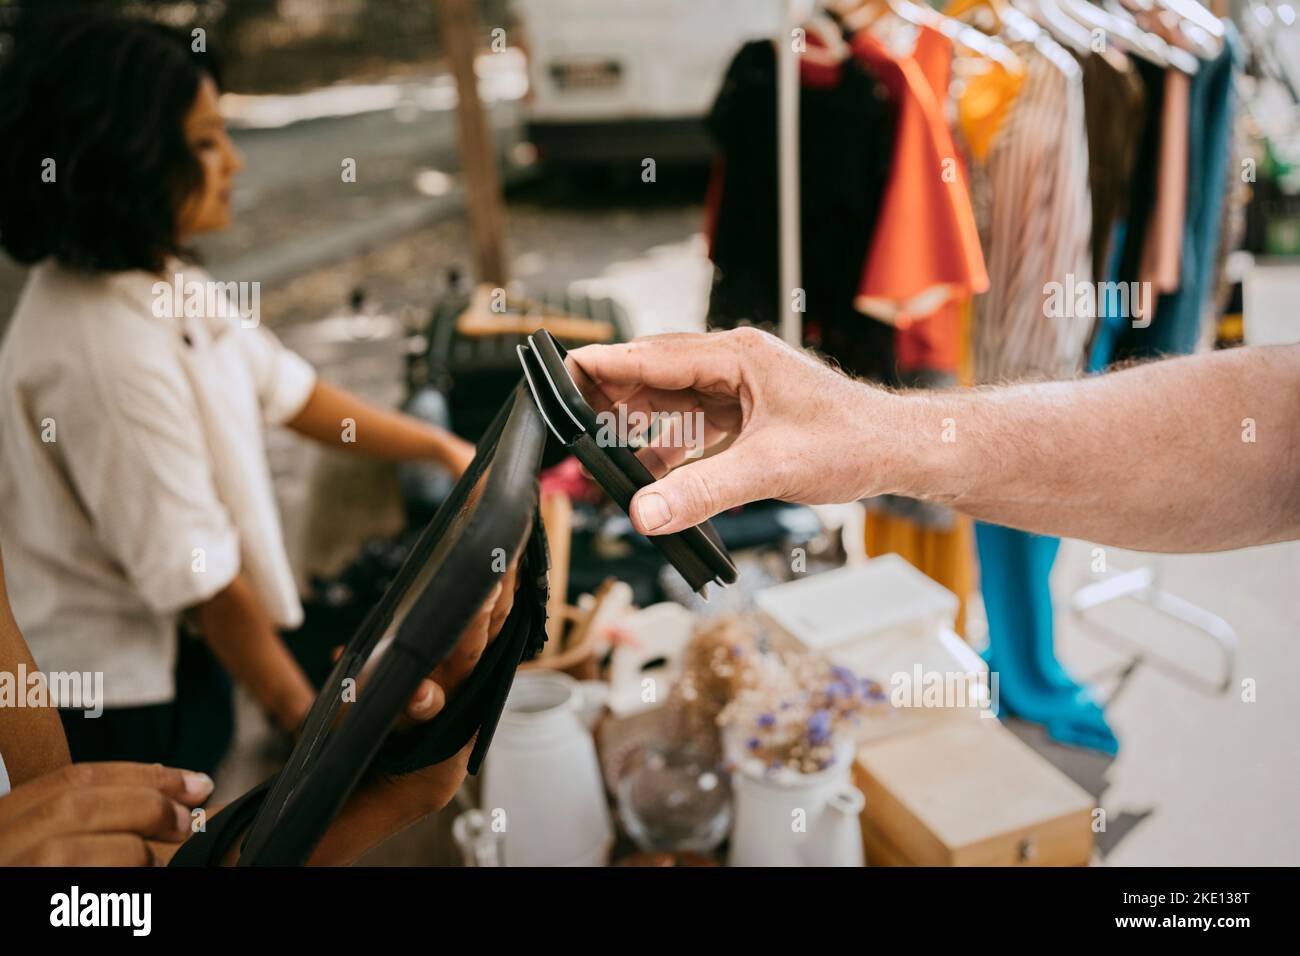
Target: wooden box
(969, 793)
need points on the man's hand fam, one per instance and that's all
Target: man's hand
(1196, 453)
(786, 413)
(100, 814)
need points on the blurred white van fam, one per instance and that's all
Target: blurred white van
(614, 80)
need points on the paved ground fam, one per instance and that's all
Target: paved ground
(1202, 777)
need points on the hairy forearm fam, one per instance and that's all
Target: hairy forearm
(242, 637)
(1194, 454)
(340, 419)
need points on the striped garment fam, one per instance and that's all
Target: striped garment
(1034, 209)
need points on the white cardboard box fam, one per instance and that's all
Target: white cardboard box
(887, 621)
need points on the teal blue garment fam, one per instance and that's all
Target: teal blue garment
(1111, 319)
(1176, 327)
(1032, 684)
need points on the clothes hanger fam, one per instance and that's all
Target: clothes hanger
(833, 48)
(1067, 32)
(1192, 26)
(996, 17)
(1179, 58)
(1184, 24)
(962, 34)
(1196, 13)
(1132, 38)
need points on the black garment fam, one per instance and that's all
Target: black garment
(193, 732)
(846, 151)
(1142, 197)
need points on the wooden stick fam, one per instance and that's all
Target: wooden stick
(478, 157)
(557, 518)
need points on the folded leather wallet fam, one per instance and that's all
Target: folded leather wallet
(697, 553)
(489, 521)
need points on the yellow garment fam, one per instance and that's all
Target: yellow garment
(984, 104)
(945, 556)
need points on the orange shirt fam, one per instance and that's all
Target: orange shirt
(926, 248)
(925, 256)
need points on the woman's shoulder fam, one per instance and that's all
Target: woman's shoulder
(71, 308)
(72, 322)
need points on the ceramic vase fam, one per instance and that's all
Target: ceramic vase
(797, 819)
(542, 785)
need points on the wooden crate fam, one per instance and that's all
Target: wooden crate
(969, 793)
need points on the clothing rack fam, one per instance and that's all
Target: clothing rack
(1141, 584)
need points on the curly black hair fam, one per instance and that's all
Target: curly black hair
(105, 99)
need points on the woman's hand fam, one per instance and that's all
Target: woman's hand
(100, 814)
(434, 691)
(385, 805)
(433, 787)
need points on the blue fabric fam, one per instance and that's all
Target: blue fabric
(1015, 566)
(1111, 320)
(1176, 327)
(1014, 571)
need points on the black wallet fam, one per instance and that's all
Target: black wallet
(698, 552)
(489, 520)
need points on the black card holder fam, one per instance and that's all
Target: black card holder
(697, 553)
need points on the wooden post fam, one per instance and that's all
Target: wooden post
(478, 157)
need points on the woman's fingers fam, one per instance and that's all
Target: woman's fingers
(473, 641)
(184, 786)
(431, 696)
(97, 849)
(140, 811)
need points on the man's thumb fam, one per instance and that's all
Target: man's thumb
(692, 494)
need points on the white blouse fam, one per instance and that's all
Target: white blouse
(134, 482)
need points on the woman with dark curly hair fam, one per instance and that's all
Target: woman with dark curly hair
(136, 512)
